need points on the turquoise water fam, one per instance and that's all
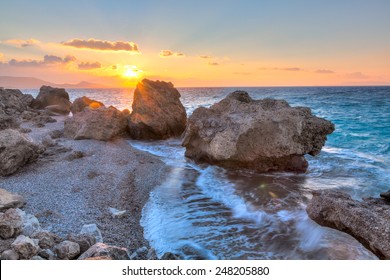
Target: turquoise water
(203, 211)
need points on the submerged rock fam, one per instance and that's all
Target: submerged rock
(100, 124)
(265, 135)
(49, 96)
(157, 111)
(83, 102)
(10, 200)
(16, 151)
(368, 220)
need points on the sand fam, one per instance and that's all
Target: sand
(65, 191)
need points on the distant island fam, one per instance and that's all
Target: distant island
(31, 82)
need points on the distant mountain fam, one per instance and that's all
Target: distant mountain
(30, 82)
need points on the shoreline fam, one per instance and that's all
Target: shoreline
(76, 181)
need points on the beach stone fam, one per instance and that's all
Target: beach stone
(52, 96)
(152, 255)
(85, 241)
(10, 200)
(104, 250)
(100, 258)
(115, 213)
(16, 151)
(25, 247)
(264, 135)
(9, 255)
(67, 250)
(170, 256)
(92, 229)
(367, 220)
(31, 225)
(47, 254)
(100, 124)
(46, 239)
(55, 134)
(157, 111)
(386, 195)
(37, 258)
(11, 223)
(82, 102)
(140, 254)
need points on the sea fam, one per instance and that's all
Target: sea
(207, 212)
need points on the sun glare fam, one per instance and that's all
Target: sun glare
(131, 72)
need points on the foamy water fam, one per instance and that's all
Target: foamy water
(204, 211)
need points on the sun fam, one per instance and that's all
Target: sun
(131, 71)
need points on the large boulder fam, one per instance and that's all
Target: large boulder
(157, 111)
(265, 135)
(82, 102)
(100, 124)
(10, 200)
(368, 220)
(49, 96)
(13, 101)
(15, 151)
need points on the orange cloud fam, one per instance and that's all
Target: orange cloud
(213, 63)
(205, 57)
(168, 53)
(357, 76)
(89, 65)
(293, 69)
(22, 43)
(325, 71)
(101, 45)
(47, 60)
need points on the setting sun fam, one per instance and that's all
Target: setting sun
(131, 72)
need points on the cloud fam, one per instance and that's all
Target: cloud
(22, 43)
(294, 69)
(46, 61)
(89, 65)
(325, 71)
(1, 55)
(357, 76)
(213, 63)
(101, 45)
(205, 57)
(168, 53)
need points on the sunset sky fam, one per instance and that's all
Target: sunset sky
(198, 43)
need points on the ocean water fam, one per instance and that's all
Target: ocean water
(204, 211)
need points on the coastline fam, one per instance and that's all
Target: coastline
(75, 182)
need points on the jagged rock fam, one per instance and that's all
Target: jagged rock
(82, 102)
(85, 241)
(67, 250)
(9, 255)
(368, 220)
(11, 223)
(47, 254)
(265, 135)
(25, 247)
(140, 254)
(46, 239)
(386, 195)
(42, 118)
(14, 101)
(157, 111)
(16, 151)
(100, 124)
(7, 121)
(103, 250)
(92, 230)
(170, 256)
(52, 96)
(10, 200)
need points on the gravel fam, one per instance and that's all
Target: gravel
(66, 194)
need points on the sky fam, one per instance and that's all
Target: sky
(198, 43)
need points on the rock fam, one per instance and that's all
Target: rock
(367, 220)
(47, 141)
(104, 250)
(7, 121)
(115, 213)
(37, 258)
(52, 96)
(100, 124)
(67, 250)
(57, 109)
(31, 225)
(85, 241)
(46, 239)
(9, 255)
(55, 134)
(14, 101)
(42, 118)
(264, 135)
(10, 200)
(93, 230)
(47, 254)
(100, 258)
(152, 255)
(140, 254)
(16, 151)
(157, 111)
(11, 223)
(25, 247)
(386, 195)
(75, 155)
(82, 102)
(170, 256)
